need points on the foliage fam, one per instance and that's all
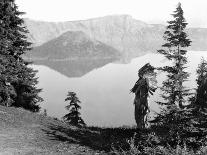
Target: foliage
(178, 127)
(174, 118)
(185, 124)
(158, 150)
(199, 102)
(17, 81)
(176, 40)
(73, 117)
(152, 146)
(27, 93)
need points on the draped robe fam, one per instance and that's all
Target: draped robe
(141, 89)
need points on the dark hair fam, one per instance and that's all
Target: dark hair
(146, 68)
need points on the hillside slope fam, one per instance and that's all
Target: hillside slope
(23, 132)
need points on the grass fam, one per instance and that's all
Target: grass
(159, 150)
(24, 132)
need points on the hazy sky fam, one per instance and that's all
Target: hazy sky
(150, 11)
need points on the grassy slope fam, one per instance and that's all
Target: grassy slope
(23, 132)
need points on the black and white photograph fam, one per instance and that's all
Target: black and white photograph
(103, 77)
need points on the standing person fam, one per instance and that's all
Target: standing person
(142, 89)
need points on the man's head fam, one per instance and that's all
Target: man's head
(148, 72)
(146, 69)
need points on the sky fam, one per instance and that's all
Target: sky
(149, 11)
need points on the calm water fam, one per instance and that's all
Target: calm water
(104, 92)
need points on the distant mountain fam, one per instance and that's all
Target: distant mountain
(122, 33)
(73, 54)
(73, 45)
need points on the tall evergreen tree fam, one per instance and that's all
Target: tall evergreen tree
(18, 82)
(174, 92)
(174, 118)
(73, 117)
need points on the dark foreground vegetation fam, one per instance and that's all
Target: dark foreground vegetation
(17, 79)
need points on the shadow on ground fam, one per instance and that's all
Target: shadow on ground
(102, 139)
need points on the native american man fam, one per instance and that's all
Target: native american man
(142, 89)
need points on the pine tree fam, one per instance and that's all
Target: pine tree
(198, 104)
(174, 92)
(199, 101)
(6, 77)
(26, 90)
(174, 118)
(7, 69)
(18, 82)
(73, 117)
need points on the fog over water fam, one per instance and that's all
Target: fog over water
(104, 91)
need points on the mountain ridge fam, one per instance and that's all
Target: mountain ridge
(129, 36)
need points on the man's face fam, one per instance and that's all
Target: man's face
(152, 78)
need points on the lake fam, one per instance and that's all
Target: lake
(103, 90)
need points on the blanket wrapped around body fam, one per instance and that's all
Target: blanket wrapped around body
(145, 84)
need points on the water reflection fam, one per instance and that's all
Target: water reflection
(104, 91)
(74, 68)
